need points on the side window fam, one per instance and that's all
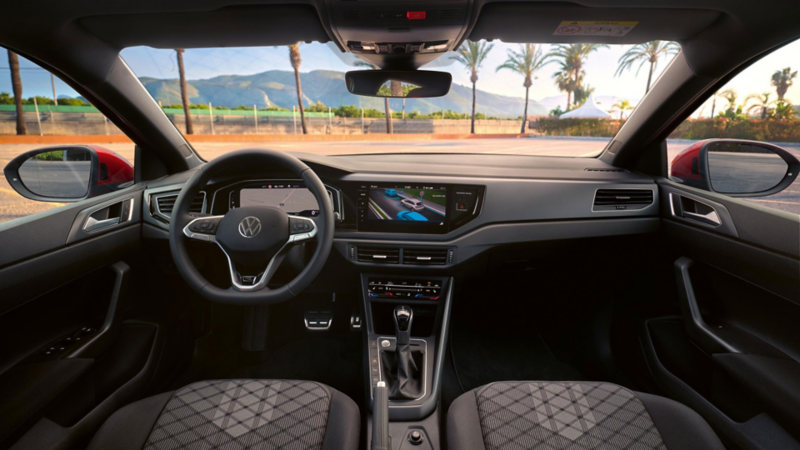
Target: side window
(55, 147)
(745, 140)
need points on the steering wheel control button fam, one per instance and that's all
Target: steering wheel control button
(298, 226)
(205, 226)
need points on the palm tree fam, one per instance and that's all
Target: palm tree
(388, 112)
(565, 83)
(783, 80)
(763, 103)
(572, 57)
(525, 62)
(714, 103)
(622, 106)
(184, 91)
(783, 110)
(582, 93)
(16, 89)
(294, 57)
(646, 52)
(730, 96)
(471, 55)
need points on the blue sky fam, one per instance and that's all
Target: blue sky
(600, 68)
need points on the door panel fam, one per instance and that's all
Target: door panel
(733, 354)
(75, 346)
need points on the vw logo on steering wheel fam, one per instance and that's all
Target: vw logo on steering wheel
(249, 226)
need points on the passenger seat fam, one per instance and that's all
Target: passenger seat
(538, 415)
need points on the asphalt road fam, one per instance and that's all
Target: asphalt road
(13, 206)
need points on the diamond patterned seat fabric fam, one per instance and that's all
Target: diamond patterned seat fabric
(535, 415)
(244, 414)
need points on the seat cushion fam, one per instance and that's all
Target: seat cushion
(236, 414)
(572, 416)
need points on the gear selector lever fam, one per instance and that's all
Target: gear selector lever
(403, 316)
(403, 366)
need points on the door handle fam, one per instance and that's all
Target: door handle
(693, 210)
(93, 224)
(109, 216)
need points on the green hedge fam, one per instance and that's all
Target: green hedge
(578, 127)
(756, 130)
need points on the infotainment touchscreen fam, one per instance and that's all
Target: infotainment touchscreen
(403, 208)
(415, 204)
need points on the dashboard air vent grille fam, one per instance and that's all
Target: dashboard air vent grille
(165, 203)
(425, 256)
(613, 199)
(380, 255)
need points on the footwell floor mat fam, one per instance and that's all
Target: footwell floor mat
(483, 357)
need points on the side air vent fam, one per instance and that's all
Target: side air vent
(604, 170)
(380, 255)
(165, 203)
(622, 199)
(425, 256)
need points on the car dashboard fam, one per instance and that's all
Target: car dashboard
(435, 211)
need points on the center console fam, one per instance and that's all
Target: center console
(406, 319)
(406, 324)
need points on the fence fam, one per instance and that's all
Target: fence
(86, 120)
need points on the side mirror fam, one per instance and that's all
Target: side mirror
(68, 173)
(735, 167)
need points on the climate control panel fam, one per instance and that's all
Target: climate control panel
(402, 289)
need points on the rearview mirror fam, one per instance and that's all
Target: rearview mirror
(734, 167)
(68, 173)
(398, 84)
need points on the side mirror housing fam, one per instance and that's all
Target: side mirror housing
(735, 167)
(68, 173)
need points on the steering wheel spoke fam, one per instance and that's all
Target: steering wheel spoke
(203, 228)
(301, 229)
(246, 283)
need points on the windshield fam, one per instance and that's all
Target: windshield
(295, 98)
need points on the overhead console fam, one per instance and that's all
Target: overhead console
(416, 208)
(381, 31)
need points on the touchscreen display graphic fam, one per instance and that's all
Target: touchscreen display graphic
(413, 204)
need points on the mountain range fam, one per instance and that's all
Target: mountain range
(277, 88)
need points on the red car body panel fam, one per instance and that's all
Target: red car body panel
(117, 169)
(685, 160)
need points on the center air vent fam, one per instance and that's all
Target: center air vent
(380, 255)
(165, 204)
(425, 256)
(622, 199)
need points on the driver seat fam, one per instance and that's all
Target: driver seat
(236, 414)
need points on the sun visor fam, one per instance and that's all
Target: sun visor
(239, 26)
(565, 24)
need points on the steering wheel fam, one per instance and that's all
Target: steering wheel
(255, 239)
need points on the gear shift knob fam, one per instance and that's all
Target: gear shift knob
(403, 316)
